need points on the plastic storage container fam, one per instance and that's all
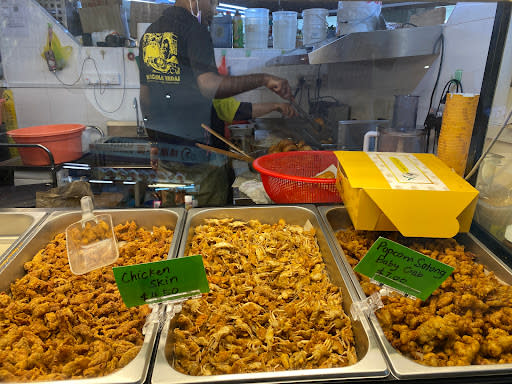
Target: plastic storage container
(63, 140)
(284, 29)
(256, 28)
(315, 25)
(457, 129)
(357, 16)
(222, 31)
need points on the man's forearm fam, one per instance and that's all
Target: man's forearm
(260, 109)
(234, 85)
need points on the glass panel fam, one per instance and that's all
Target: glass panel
(494, 210)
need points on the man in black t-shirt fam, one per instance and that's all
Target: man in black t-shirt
(178, 81)
(178, 75)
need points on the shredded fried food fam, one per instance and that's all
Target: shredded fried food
(467, 320)
(55, 325)
(271, 305)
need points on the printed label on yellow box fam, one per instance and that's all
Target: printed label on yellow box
(405, 171)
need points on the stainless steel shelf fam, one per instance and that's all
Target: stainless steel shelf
(371, 46)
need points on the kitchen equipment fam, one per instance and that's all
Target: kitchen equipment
(288, 177)
(402, 136)
(351, 132)
(314, 29)
(284, 29)
(317, 128)
(337, 218)
(242, 135)
(389, 140)
(63, 140)
(256, 28)
(405, 113)
(91, 242)
(370, 364)
(223, 152)
(10, 270)
(226, 141)
(140, 127)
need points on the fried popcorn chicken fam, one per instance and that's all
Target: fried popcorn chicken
(467, 320)
(55, 325)
(271, 305)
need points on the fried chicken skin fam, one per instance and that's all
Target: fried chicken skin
(271, 305)
(55, 325)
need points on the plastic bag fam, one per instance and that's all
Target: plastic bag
(67, 196)
(55, 55)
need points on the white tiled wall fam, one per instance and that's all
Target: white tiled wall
(467, 35)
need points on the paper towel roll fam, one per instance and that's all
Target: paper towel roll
(456, 130)
(141, 28)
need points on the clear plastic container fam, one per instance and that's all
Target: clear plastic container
(256, 28)
(315, 25)
(284, 29)
(357, 16)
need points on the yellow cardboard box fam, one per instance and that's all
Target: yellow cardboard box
(416, 194)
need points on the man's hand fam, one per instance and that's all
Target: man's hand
(278, 85)
(286, 109)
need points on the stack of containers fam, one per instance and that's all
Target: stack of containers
(315, 25)
(284, 29)
(256, 28)
(457, 129)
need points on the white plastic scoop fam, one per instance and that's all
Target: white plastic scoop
(91, 242)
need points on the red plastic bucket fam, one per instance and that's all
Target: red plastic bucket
(63, 140)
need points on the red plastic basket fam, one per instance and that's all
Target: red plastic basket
(288, 177)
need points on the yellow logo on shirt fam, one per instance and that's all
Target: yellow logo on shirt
(160, 52)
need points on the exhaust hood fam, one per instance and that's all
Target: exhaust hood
(395, 44)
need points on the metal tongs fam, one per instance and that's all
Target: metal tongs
(240, 155)
(306, 116)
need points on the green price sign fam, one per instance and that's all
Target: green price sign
(161, 281)
(403, 269)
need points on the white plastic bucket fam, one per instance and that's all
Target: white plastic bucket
(357, 16)
(256, 28)
(284, 29)
(315, 25)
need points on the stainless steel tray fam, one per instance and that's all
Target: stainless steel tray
(371, 362)
(14, 225)
(337, 218)
(136, 371)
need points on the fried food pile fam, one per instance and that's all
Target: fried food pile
(467, 320)
(55, 325)
(287, 145)
(271, 305)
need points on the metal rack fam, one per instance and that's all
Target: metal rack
(16, 163)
